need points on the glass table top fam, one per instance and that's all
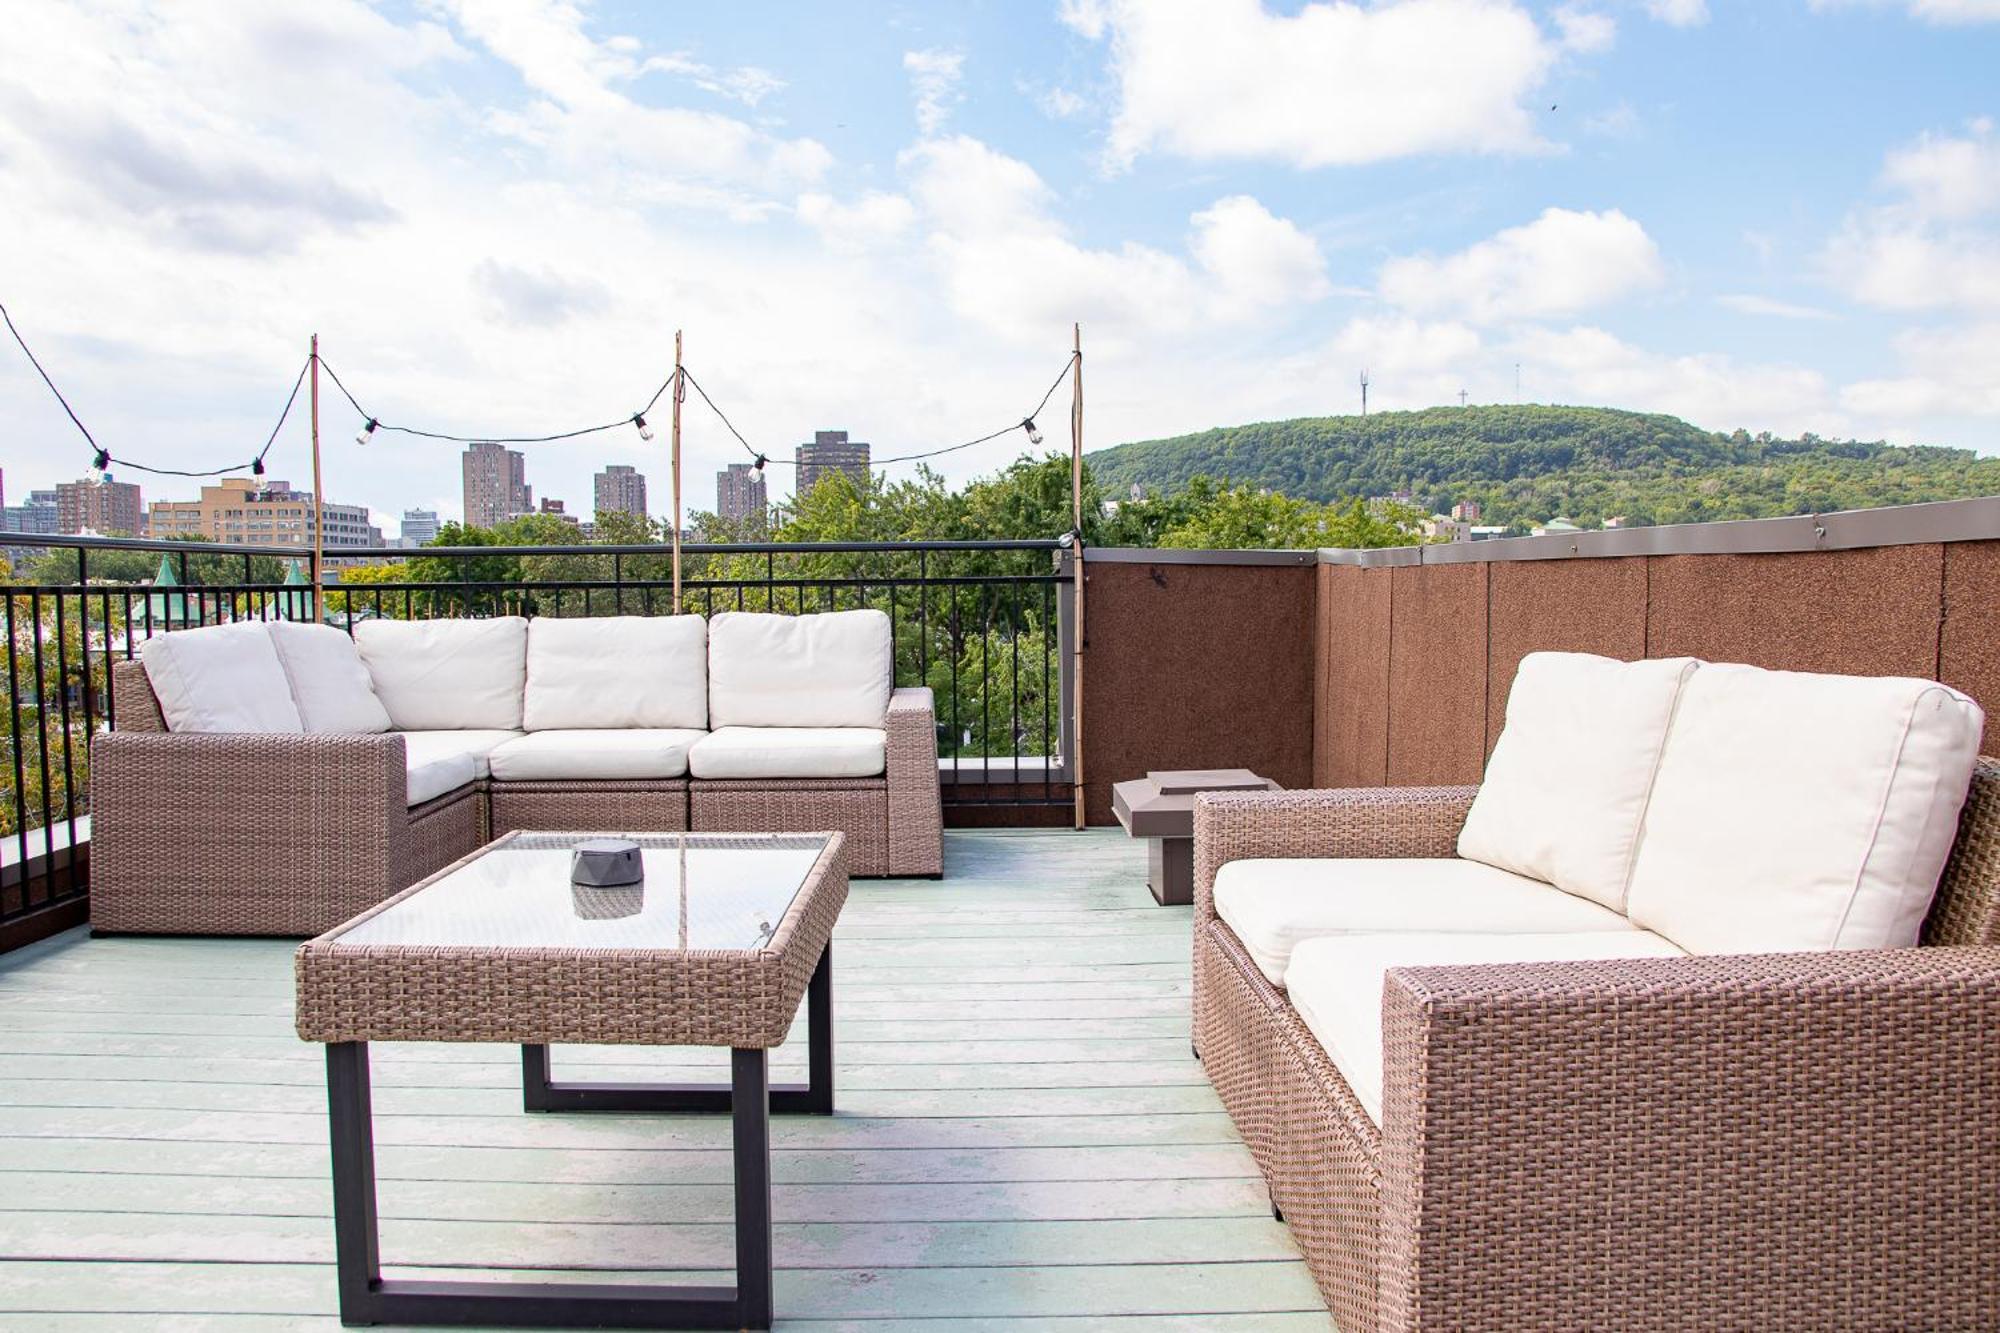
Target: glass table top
(701, 891)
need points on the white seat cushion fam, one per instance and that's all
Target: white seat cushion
(222, 678)
(829, 670)
(437, 762)
(1797, 811)
(447, 675)
(790, 752)
(617, 671)
(595, 753)
(1273, 905)
(1335, 983)
(1565, 791)
(329, 683)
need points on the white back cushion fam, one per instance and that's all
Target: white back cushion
(222, 678)
(828, 670)
(445, 675)
(617, 671)
(1566, 789)
(1797, 811)
(329, 684)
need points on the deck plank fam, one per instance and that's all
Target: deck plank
(1024, 1140)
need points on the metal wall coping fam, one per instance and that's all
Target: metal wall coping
(1893, 525)
(1160, 555)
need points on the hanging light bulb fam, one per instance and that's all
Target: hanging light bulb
(257, 466)
(367, 431)
(102, 460)
(639, 420)
(761, 460)
(1034, 436)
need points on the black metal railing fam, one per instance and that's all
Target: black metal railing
(984, 624)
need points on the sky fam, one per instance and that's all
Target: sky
(1778, 215)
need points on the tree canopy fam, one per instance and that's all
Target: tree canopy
(1527, 463)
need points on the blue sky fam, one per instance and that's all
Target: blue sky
(1778, 215)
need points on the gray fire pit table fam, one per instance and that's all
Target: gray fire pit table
(1160, 808)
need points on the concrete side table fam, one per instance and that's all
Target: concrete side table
(1160, 807)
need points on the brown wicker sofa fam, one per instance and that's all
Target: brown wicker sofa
(1716, 1141)
(291, 832)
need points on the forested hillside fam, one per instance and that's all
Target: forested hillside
(1525, 464)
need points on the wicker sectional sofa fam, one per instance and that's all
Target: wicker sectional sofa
(276, 779)
(1705, 1040)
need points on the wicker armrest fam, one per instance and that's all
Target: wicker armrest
(916, 813)
(1796, 1140)
(205, 814)
(1349, 821)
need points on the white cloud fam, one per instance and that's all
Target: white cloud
(873, 220)
(1336, 83)
(582, 117)
(1056, 103)
(1588, 365)
(1679, 13)
(1950, 178)
(1585, 31)
(1934, 246)
(1945, 371)
(747, 84)
(1010, 265)
(1562, 263)
(934, 80)
(1942, 12)
(1749, 303)
(1254, 258)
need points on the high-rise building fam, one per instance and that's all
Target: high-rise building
(739, 494)
(621, 489)
(91, 505)
(561, 511)
(246, 511)
(420, 527)
(831, 451)
(37, 515)
(496, 485)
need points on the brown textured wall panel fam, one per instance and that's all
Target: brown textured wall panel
(1196, 666)
(1866, 612)
(1351, 685)
(1969, 658)
(1437, 674)
(1568, 606)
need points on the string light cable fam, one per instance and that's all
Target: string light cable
(101, 457)
(1026, 423)
(371, 424)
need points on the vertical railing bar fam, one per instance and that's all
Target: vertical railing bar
(42, 757)
(1014, 693)
(20, 763)
(1048, 767)
(68, 742)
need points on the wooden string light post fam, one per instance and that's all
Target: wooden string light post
(680, 392)
(1076, 568)
(319, 500)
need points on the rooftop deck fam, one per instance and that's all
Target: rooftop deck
(1023, 1140)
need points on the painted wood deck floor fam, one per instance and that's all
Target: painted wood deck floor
(1023, 1140)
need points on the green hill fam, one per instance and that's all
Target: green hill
(1525, 464)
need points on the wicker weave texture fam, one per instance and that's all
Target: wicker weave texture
(659, 997)
(858, 807)
(916, 810)
(256, 835)
(1967, 907)
(1742, 1143)
(583, 807)
(132, 698)
(1792, 1141)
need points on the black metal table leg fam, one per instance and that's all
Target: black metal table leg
(540, 1092)
(749, 1082)
(367, 1298)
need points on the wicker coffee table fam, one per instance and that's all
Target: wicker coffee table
(717, 948)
